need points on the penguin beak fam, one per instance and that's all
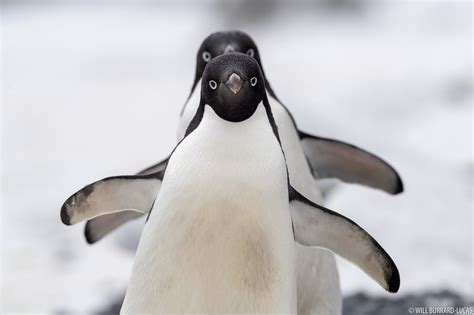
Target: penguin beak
(234, 83)
(228, 49)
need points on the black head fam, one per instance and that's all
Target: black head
(233, 85)
(220, 43)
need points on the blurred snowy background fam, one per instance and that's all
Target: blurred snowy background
(93, 89)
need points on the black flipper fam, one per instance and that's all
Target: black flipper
(318, 226)
(335, 159)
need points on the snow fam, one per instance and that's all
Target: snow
(90, 91)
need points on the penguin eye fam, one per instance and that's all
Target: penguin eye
(213, 84)
(251, 52)
(206, 56)
(253, 81)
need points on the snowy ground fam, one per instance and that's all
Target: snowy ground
(92, 91)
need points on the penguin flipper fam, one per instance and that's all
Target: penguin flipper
(97, 228)
(158, 167)
(110, 195)
(335, 159)
(317, 226)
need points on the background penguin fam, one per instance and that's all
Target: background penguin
(221, 237)
(327, 158)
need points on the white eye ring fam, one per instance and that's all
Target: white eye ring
(213, 84)
(206, 56)
(253, 81)
(251, 52)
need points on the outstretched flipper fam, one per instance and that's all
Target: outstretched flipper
(112, 194)
(158, 167)
(317, 226)
(334, 159)
(99, 227)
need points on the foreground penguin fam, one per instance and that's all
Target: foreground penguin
(318, 281)
(225, 218)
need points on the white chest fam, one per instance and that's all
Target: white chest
(220, 238)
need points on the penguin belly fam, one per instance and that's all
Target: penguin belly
(220, 238)
(318, 289)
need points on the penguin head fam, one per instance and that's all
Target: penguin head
(220, 43)
(233, 85)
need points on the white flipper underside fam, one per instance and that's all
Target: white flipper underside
(113, 194)
(97, 228)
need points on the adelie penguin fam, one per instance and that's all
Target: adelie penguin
(221, 234)
(316, 269)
